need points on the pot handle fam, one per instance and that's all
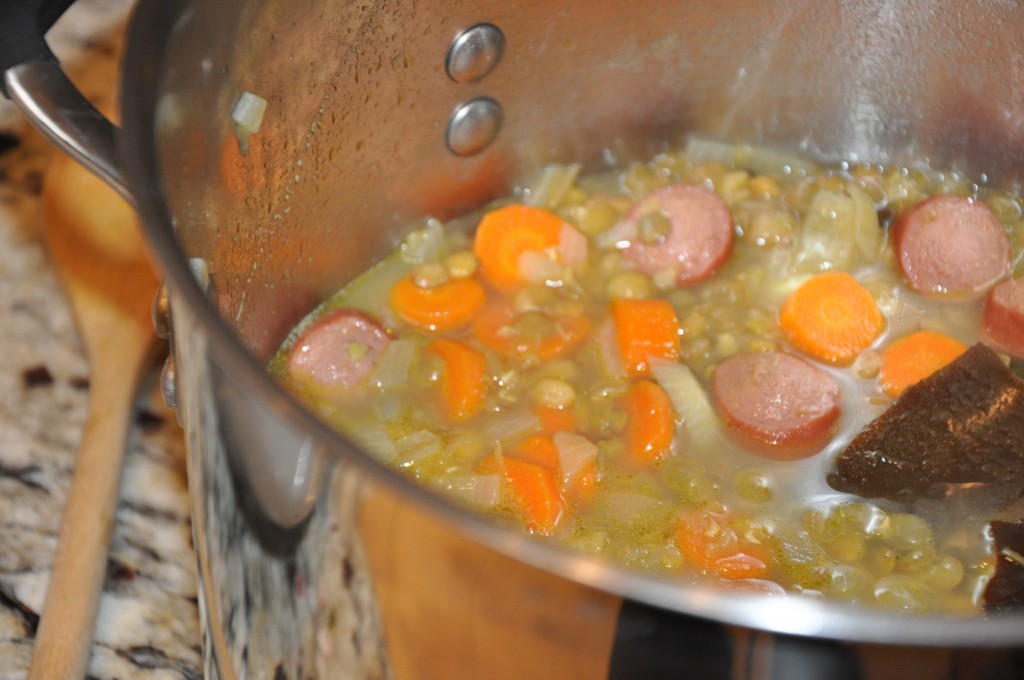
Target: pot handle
(35, 82)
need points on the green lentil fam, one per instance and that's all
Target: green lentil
(430, 275)
(631, 286)
(554, 393)
(462, 264)
(753, 484)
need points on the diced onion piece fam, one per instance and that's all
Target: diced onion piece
(825, 234)
(702, 150)
(387, 407)
(394, 363)
(482, 491)
(538, 267)
(759, 159)
(512, 425)
(547, 191)
(247, 114)
(688, 399)
(832, 221)
(866, 231)
(374, 438)
(416, 446)
(608, 347)
(572, 246)
(429, 244)
(619, 236)
(575, 453)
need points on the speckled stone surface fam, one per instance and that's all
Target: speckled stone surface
(148, 625)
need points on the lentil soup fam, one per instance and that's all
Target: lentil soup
(659, 365)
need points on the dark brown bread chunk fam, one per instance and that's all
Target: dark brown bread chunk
(1005, 592)
(963, 424)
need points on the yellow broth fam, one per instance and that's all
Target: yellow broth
(792, 219)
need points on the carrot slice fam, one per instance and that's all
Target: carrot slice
(541, 449)
(916, 357)
(714, 548)
(441, 308)
(554, 420)
(505, 234)
(538, 449)
(831, 318)
(534, 490)
(499, 327)
(464, 383)
(645, 328)
(650, 422)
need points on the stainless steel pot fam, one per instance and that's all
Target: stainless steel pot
(314, 560)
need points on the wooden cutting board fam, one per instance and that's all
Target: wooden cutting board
(454, 609)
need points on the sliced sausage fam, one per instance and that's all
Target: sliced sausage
(951, 244)
(338, 349)
(1002, 321)
(782, 404)
(698, 232)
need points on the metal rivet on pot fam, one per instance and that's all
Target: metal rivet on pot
(162, 314)
(169, 383)
(473, 126)
(475, 53)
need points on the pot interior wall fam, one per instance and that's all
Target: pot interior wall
(351, 153)
(352, 145)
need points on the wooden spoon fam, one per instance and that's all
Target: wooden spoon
(95, 245)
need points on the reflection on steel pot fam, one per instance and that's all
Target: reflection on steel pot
(314, 560)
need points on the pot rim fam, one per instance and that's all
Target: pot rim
(143, 65)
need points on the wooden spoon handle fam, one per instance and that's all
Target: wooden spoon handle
(64, 638)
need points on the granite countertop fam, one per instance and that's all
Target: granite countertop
(148, 624)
